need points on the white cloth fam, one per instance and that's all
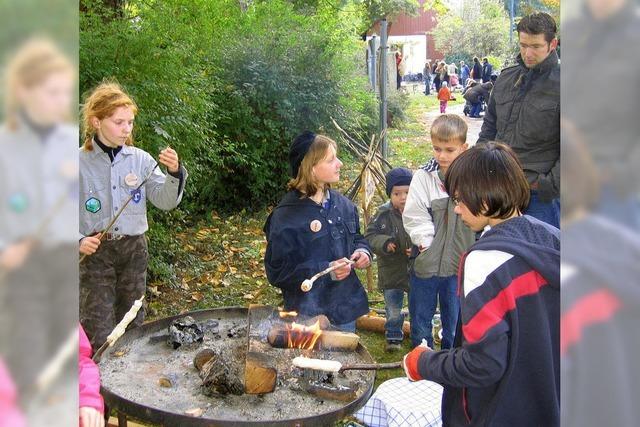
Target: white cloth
(401, 403)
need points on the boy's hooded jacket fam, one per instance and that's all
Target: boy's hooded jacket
(504, 369)
(295, 253)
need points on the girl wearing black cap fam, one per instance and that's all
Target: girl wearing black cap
(314, 227)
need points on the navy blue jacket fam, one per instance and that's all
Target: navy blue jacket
(295, 253)
(504, 369)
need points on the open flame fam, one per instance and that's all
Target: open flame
(285, 314)
(301, 336)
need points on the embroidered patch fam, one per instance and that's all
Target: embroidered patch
(93, 205)
(18, 202)
(136, 195)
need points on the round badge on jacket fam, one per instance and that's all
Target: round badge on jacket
(131, 179)
(315, 226)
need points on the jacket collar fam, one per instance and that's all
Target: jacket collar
(126, 150)
(548, 64)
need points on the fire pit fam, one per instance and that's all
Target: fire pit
(145, 378)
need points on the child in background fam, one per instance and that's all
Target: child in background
(440, 235)
(444, 94)
(392, 245)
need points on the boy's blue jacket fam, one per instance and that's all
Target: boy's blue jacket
(295, 253)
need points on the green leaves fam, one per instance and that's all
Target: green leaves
(229, 89)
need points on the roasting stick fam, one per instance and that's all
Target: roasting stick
(308, 283)
(118, 331)
(335, 366)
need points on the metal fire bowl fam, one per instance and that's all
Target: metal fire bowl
(131, 369)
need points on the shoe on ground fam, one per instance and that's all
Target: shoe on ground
(392, 346)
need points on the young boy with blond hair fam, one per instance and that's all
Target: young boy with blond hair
(438, 233)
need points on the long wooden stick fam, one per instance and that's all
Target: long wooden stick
(371, 366)
(308, 283)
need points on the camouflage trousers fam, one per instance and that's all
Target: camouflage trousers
(110, 281)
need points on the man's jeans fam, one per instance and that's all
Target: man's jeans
(393, 300)
(423, 297)
(546, 212)
(476, 107)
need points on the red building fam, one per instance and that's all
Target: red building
(419, 25)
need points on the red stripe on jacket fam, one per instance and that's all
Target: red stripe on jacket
(596, 307)
(494, 311)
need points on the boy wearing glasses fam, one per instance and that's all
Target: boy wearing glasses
(504, 367)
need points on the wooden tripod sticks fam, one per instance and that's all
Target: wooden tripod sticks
(308, 283)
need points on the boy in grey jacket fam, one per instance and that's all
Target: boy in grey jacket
(392, 245)
(440, 235)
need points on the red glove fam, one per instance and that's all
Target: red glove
(410, 363)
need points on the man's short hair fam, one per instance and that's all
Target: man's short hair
(538, 23)
(449, 127)
(489, 180)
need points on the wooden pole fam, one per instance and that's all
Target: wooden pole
(366, 218)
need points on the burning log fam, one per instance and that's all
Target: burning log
(322, 320)
(222, 373)
(290, 336)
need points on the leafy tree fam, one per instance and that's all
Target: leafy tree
(481, 30)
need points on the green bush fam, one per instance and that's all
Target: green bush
(229, 89)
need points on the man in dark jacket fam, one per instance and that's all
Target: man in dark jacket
(487, 70)
(524, 112)
(476, 95)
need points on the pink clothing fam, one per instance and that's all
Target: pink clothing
(10, 415)
(443, 107)
(88, 376)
